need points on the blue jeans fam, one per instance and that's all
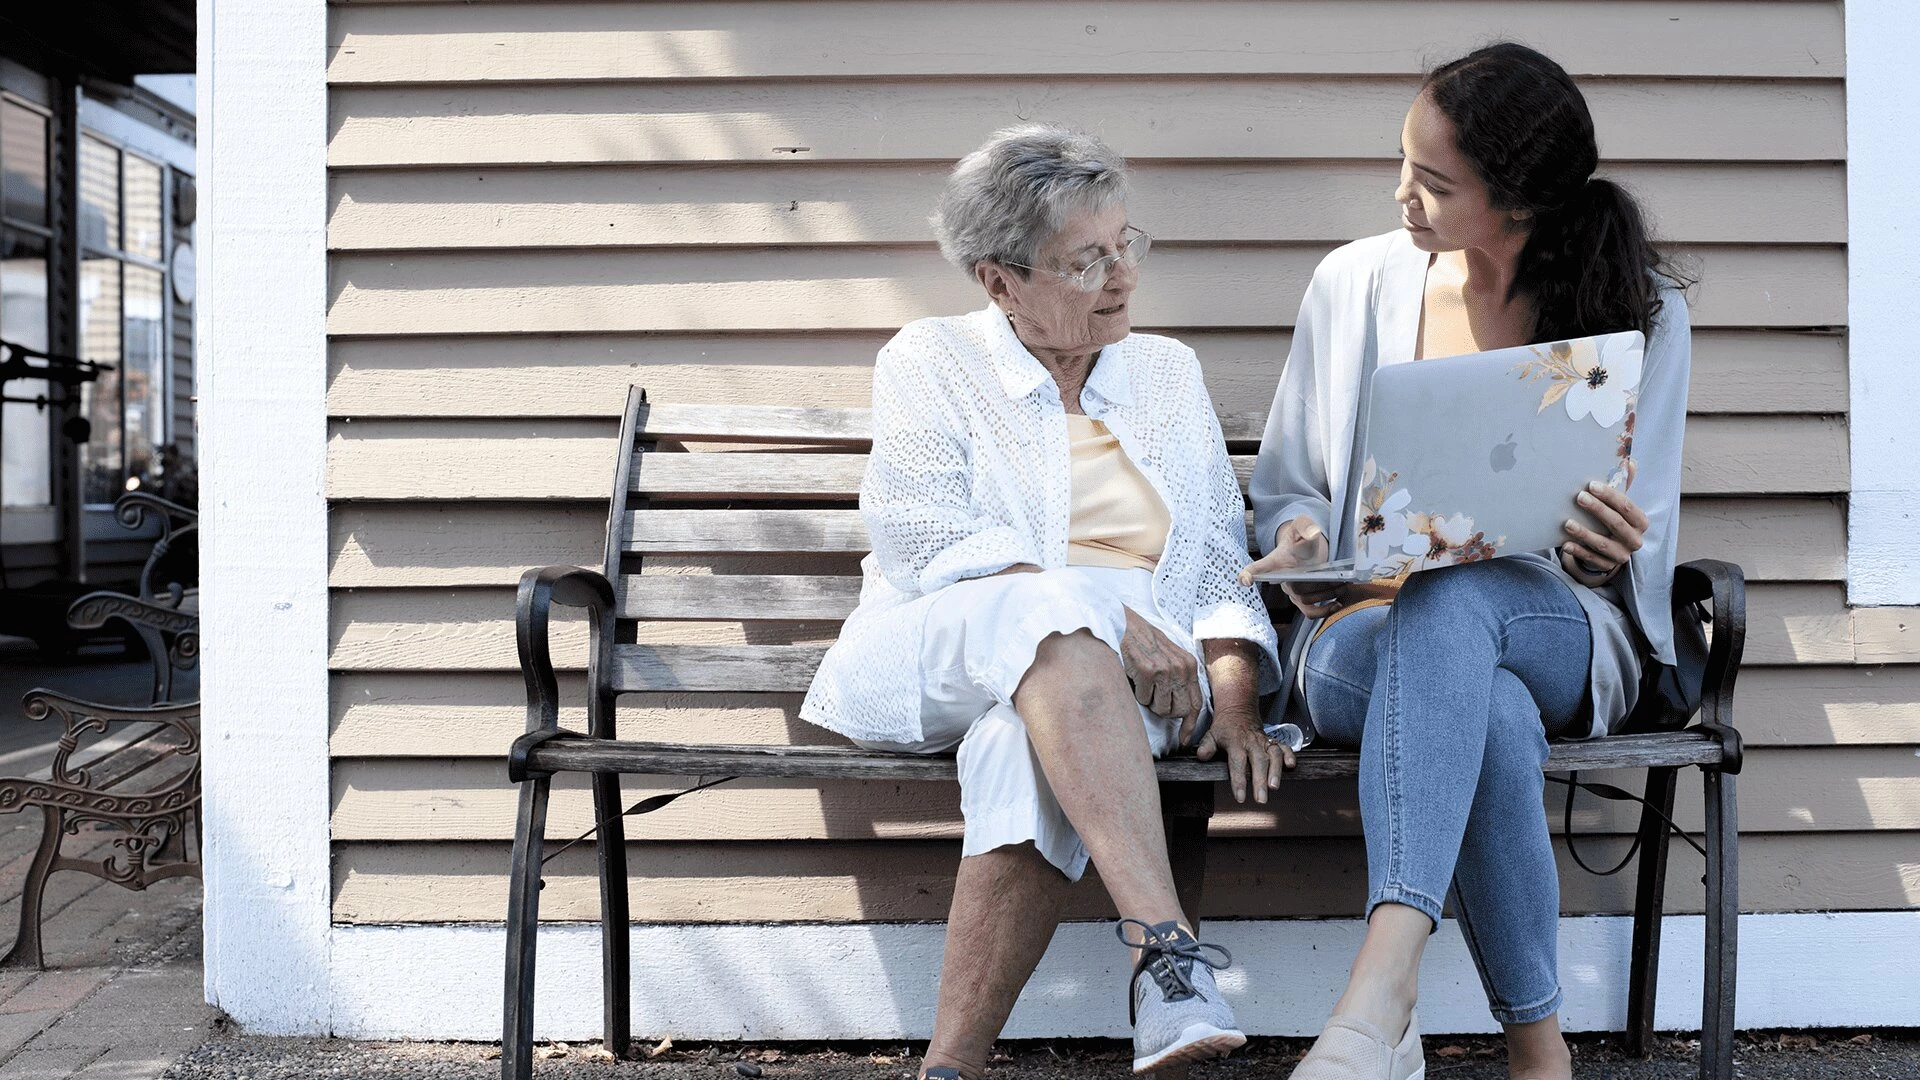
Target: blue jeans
(1451, 695)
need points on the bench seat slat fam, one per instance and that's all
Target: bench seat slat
(118, 764)
(747, 597)
(745, 668)
(1691, 747)
(770, 475)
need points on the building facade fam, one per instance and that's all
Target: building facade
(96, 222)
(445, 237)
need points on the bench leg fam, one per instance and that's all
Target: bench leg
(523, 926)
(615, 945)
(26, 944)
(1643, 979)
(1723, 922)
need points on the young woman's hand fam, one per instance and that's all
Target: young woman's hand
(1300, 542)
(1594, 558)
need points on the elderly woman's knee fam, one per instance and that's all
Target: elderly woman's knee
(1072, 672)
(1073, 652)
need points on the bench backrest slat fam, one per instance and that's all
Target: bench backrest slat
(760, 423)
(756, 532)
(746, 597)
(753, 475)
(681, 668)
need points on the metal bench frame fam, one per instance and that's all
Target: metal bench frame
(145, 786)
(618, 594)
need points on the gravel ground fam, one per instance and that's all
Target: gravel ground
(1762, 1056)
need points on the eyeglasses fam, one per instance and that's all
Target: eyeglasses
(1094, 277)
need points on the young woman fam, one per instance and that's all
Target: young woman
(1452, 681)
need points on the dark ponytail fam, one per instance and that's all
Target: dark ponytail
(1589, 265)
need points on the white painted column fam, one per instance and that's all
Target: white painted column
(1883, 289)
(261, 324)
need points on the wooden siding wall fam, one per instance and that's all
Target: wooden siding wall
(533, 204)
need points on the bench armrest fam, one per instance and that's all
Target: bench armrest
(540, 590)
(94, 610)
(1725, 587)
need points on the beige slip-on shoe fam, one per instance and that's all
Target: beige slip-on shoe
(1350, 1049)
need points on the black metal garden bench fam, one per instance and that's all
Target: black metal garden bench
(797, 495)
(133, 768)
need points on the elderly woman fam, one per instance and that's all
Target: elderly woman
(1056, 536)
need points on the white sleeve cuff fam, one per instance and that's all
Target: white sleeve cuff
(1230, 621)
(988, 551)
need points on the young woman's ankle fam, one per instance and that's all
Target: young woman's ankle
(1385, 983)
(1385, 1002)
(1538, 1051)
(934, 1060)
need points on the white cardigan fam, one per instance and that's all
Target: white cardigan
(1362, 311)
(971, 473)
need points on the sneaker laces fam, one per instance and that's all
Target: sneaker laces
(1168, 953)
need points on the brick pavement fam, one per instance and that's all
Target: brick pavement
(121, 998)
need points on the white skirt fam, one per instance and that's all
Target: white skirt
(981, 637)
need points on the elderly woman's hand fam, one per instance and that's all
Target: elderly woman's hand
(1165, 677)
(1253, 760)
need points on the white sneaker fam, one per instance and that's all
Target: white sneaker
(1177, 1012)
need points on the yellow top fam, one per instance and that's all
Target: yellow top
(1117, 518)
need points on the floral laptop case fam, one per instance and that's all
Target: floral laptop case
(1478, 456)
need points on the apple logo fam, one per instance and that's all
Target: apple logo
(1502, 457)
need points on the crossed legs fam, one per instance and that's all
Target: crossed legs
(1450, 695)
(1084, 728)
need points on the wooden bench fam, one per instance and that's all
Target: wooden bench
(135, 768)
(801, 500)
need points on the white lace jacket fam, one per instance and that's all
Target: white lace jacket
(971, 474)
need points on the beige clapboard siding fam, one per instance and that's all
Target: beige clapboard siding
(476, 714)
(388, 545)
(535, 204)
(855, 288)
(1734, 371)
(1291, 201)
(573, 459)
(1886, 635)
(471, 629)
(539, 42)
(830, 119)
(1824, 789)
(912, 880)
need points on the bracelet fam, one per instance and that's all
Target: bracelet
(1596, 571)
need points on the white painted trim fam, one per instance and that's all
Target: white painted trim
(261, 325)
(1883, 280)
(877, 980)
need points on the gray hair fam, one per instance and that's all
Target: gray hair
(1003, 201)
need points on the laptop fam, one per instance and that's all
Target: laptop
(1478, 456)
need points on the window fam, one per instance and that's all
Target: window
(122, 318)
(26, 441)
